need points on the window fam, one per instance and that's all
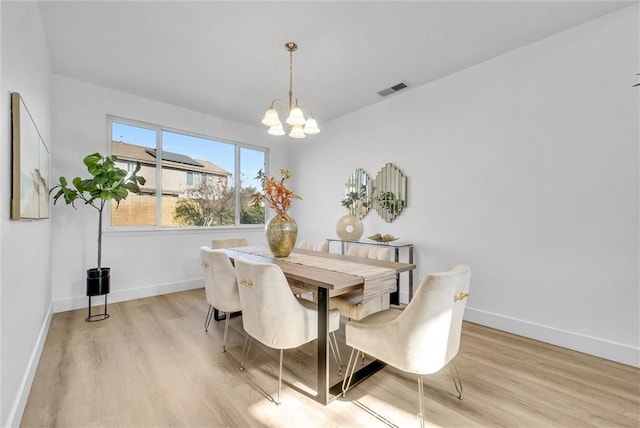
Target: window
(194, 178)
(191, 180)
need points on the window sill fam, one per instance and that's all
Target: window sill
(146, 231)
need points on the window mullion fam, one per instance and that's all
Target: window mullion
(237, 183)
(159, 178)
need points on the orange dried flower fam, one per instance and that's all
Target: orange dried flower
(276, 193)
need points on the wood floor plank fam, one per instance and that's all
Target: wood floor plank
(152, 365)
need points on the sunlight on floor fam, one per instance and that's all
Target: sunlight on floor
(390, 414)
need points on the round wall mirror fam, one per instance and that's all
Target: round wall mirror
(390, 196)
(357, 197)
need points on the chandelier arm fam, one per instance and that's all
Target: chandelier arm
(304, 107)
(278, 100)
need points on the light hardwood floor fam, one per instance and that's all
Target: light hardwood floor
(151, 365)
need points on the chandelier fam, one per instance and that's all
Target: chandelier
(298, 126)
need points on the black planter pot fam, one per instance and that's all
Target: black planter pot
(98, 284)
(98, 281)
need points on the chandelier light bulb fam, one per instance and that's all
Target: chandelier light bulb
(276, 130)
(271, 117)
(296, 117)
(311, 126)
(296, 132)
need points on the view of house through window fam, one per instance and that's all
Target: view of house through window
(202, 182)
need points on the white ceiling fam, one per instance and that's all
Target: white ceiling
(228, 58)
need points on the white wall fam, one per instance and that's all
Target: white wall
(4, 132)
(142, 263)
(25, 249)
(526, 168)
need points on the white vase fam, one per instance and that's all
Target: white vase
(349, 228)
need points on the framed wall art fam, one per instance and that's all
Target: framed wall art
(30, 164)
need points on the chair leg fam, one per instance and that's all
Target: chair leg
(363, 352)
(207, 319)
(351, 368)
(333, 344)
(280, 376)
(453, 369)
(216, 315)
(226, 329)
(245, 350)
(421, 401)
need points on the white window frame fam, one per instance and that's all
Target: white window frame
(189, 229)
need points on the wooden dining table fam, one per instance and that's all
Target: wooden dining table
(325, 283)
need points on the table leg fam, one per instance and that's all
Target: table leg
(323, 348)
(411, 273)
(394, 299)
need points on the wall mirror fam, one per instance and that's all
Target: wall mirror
(390, 194)
(357, 191)
(30, 175)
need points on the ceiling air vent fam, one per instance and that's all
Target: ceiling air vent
(395, 88)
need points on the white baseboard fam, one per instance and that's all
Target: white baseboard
(80, 302)
(603, 348)
(17, 409)
(403, 297)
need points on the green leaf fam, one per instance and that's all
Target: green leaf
(70, 195)
(131, 187)
(93, 159)
(84, 185)
(77, 183)
(101, 180)
(106, 195)
(120, 193)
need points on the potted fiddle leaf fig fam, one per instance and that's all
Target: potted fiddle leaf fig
(107, 183)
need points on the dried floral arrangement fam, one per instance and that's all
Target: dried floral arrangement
(275, 191)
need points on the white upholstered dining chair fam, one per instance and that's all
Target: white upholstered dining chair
(226, 243)
(422, 338)
(221, 287)
(313, 245)
(229, 243)
(353, 305)
(273, 315)
(298, 287)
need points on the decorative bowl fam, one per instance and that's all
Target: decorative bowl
(382, 238)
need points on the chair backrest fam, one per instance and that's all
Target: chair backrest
(270, 312)
(371, 252)
(432, 322)
(220, 283)
(229, 243)
(309, 244)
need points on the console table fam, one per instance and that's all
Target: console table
(395, 297)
